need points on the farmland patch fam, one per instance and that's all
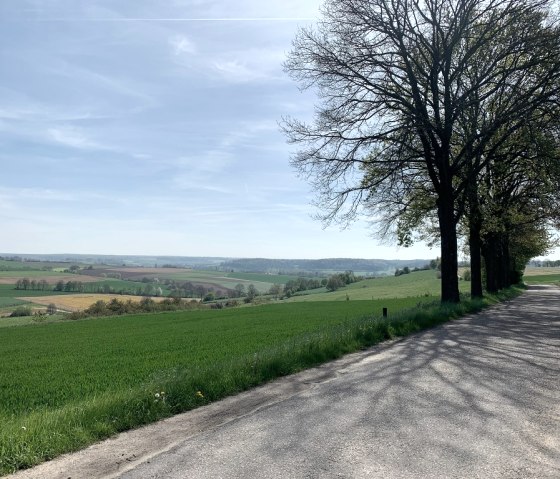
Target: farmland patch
(79, 302)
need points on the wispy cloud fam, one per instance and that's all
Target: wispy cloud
(72, 136)
(180, 44)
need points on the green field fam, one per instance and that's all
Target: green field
(542, 279)
(53, 365)
(71, 383)
(6, 265)
(31, 274)
(262, 278)
(225, 280)
(10, 291)
(417, 284)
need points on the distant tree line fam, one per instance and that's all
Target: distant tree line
(545, 263)
(26, 284)
(433, 264)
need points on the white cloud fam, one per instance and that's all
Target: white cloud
(250, 64)
(182, 45)
(71, 136)
(234, 71)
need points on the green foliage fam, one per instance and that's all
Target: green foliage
(146, 305)
(337, 281)
(21, 311)
(334, 283)
(405, 270)
(300, 284)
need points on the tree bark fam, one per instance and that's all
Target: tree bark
(449, 257)
(475, 226)
(490, 253)
(476, 260)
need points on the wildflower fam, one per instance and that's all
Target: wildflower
(157, 395)
(199, 394)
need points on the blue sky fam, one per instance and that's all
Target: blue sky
(151, 127)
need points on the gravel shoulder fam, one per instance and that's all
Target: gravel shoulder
(476, 397)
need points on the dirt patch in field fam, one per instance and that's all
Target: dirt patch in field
(79, 302)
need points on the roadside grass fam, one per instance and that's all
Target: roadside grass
(72, 384)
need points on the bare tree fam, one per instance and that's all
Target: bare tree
(394, 78)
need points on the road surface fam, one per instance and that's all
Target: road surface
(477, 397)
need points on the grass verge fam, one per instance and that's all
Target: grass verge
(41, 435)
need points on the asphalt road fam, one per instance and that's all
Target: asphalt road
(475, 398)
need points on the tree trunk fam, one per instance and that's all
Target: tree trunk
(475, 225)
(449, 260)
(476, 260)
(490, 254)
(506, 262)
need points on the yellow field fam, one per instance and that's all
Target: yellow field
(532, 271)
(78, 302)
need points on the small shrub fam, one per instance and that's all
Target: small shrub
(21, 311)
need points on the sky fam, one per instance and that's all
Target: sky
(149, 127)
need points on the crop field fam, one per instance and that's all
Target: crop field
(262, 278)
(542, 279)
(416, 284)
(6, 302)
(10, 277)
(216, 279)
(79, 302)
(6, 265)
(134, 274)
(545, 271)
(75, 380)
(53, 365)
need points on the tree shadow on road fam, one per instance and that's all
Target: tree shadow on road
(479, 395)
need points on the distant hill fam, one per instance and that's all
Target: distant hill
(327, 265)
(368, 267)
(124, 260)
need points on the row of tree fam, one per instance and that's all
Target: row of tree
(440, 119)
(545, 263)
(80, 287)
(146, 305)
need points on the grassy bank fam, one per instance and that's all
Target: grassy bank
(135, 370)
